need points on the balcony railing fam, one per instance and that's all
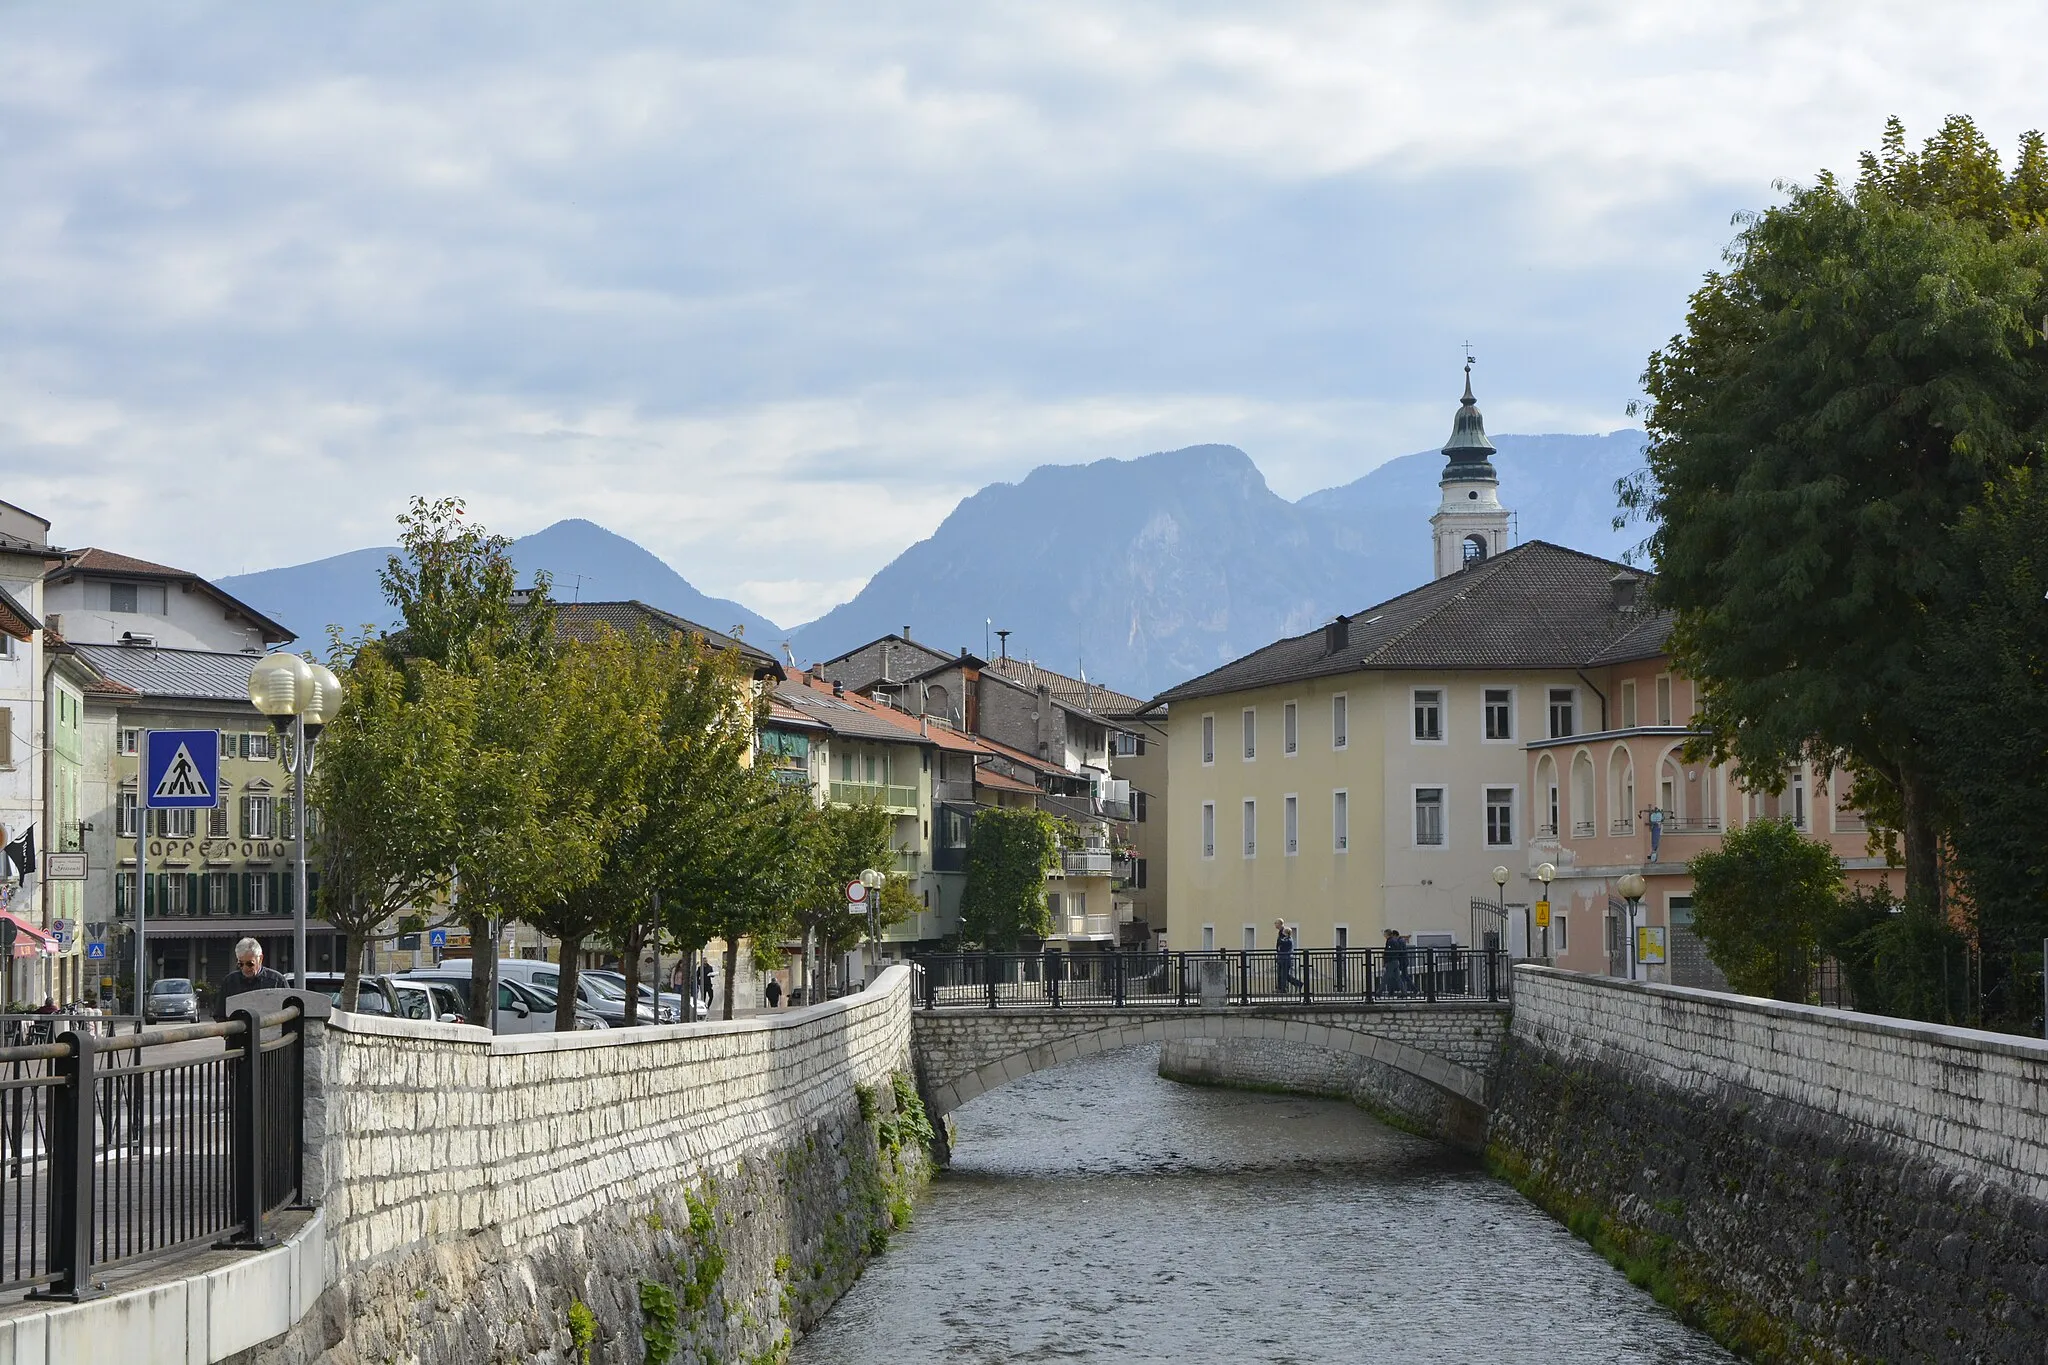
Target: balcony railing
(1115, 810)
(1696, 824)
(1091, 926)
(907, 863)
(1582, 829)
(897, 800)
(1088, 862)
(1621, 827)
(1851, 822)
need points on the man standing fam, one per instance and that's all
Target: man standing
(249, 975)
(1283, 945)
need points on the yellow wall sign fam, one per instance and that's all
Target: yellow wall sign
(1650, 946)
(1542, 914)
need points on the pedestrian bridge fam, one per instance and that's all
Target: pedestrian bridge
(1436, 1015)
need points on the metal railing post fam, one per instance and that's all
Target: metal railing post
(1368, 972)
(1244, 976)
(71, 1175)
(1429, 976)
(245, 1138)
(1493, 977)
(1308, 971)
(988, 973)
(1050, 969)
(1118, 958)
(1180, 966)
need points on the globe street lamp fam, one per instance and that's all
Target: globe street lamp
(1632, 887)
(873, 880)
(299, 698)
(1546, 873)
(1500, 882)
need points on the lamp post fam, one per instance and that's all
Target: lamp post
(300, 698)
(1500, 883)
(873, 880)
(1545, 873)
(1631, 887)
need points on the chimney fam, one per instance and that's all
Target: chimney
(906, 635)
(1003, 642)
(1337, 636)
(838, 688)
(1625, 586)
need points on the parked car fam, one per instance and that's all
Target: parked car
(604, 997)
(171, 998)
(392, 996)
(521, 1008)
(671, 1003)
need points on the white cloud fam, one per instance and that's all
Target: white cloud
(769, 290)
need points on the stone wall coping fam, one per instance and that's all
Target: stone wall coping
(1210, 1011)
(892, 980)
(1947, 1035)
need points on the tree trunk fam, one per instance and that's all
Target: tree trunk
(635, 941)
(483, 971)
(1922, 841)
(732, 967)
(352, 973)
(565, 999)
(804, 968)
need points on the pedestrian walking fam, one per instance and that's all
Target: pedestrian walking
(707, 982)
(1283, 953)
(774, 993)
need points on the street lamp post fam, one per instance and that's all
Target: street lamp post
(299, 698)
(1632, 887)
(1545, 874)
(1500, 883)
(873, 880)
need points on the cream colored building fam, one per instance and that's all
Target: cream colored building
(1372, 774)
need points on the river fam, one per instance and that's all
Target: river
(1095, 1212)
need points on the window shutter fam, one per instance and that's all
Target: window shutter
(6, 735)
(191, 893)
(275, 899)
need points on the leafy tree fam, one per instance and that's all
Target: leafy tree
(1759, 903)
(384, 786)
(454, 585)
(1841, 395)
(1008, 854)
(846, 841)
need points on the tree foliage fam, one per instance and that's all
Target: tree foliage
(1008, 854)
(1760, 903)
(1842, 395)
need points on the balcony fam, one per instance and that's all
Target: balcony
(1697, 824)
(1116, 810)
(895, 800)
(1851, 822)
(949, 859)
(1124, 869)
(906, 862)
(1091, 926)
(1088, 862)
(1583, 829)
(793, 777)
(1622, 827)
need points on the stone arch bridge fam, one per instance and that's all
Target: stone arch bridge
(1430, 1064)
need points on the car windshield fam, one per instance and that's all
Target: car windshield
(172, 985)
(606, 989)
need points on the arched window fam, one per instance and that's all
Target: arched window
(1621, 791)
(938, 703)
(1475, 548)
(1584, 816)
(1671, 788)
(1546, 798)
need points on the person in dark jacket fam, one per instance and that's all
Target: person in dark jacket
(249, 975)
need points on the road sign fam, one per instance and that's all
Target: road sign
(1542, 914)
(96, 951)
(181, 771)
(1650, 946)
(437, 938)
(856, 892)
(64, 867)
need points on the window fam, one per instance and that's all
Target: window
(1340, 735)
(1291, 813)
(1560, 933)
(180, 824)
(1500, 713)
(1251, 829)
(1208, 938)
(1664, 699)
(1561, 699)
(1251, 937)
(1290, 730)
(171, 896)
(1500, 817)
(256, 817)
(217, 895)
(1429, 817)
(1138, 807)
(258, 899)
(1628, 703)
(1138, 874)
(1208, 829)
(131, 741)
(124, 817)
(1054, 906)
(1799, 800)
(1340, 820)
(229, 744)
(1208, 739)
(1251, 734)
(285, 827)
(124, 893)
(121, 597)
(260, 744)
(1429, 715)
(1550, 803)
(1341, 940)
(1128, 745)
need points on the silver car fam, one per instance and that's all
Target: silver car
(171, 999)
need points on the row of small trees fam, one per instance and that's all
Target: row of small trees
(483, 770)
(1845, 471)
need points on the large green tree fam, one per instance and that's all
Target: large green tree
(1008, 854)
(1761, 902)
(1842, 394)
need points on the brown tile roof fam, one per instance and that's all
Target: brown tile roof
(579, 621)
(15, 619)
(995, 781)
(1073, 692)
(92, 560)
(849, 714)
(1536, 606)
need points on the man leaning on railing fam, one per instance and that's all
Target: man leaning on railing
(249, 975)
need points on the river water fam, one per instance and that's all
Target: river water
(1095, 1212)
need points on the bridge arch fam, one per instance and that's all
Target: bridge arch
(964, 1053)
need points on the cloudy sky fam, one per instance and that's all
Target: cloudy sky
(770, 287)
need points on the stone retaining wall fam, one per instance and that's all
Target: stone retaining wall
(721, 1183)
(1396, 1096)
(1809, 1184)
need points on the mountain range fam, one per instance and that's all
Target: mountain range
(1138, 573)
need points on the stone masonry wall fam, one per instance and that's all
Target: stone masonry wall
(1808, 1184)
(1396, 1096)
(716, 1186)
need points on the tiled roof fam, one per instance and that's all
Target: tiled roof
(780, 713)
(1649, 637)
(15, 619)
(187, 674)
(851, 715)
(1536, 606)
(995, 781)
(579, 620)
(91, 560)
(1073, 692)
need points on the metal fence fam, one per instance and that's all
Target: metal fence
(116, 1146)
(1375, 976)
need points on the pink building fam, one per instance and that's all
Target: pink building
(1624, 799)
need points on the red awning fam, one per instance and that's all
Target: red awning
(41, 939)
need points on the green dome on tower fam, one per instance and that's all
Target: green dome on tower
(1468, 450)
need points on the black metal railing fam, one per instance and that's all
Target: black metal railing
(1126, 978)
(125, 1145)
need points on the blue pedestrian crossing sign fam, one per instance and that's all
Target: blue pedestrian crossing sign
(437, 938)
(181, 771)
(97, 951)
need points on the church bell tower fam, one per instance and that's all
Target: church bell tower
(1470, 525)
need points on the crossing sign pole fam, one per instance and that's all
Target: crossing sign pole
(180, 771)
(141, 877)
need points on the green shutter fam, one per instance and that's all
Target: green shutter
(240, 891)
(192, 893)
(204, 903)
(276, 906)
